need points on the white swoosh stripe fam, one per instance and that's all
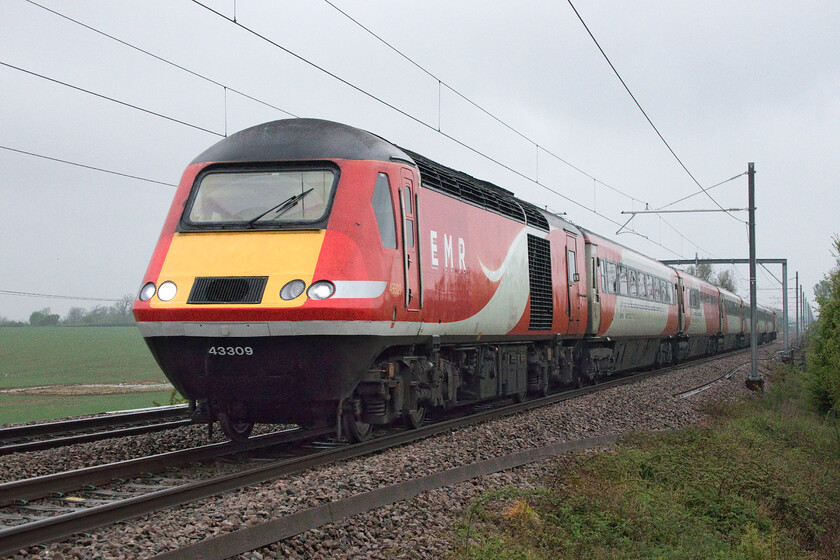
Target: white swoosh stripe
(496, 275)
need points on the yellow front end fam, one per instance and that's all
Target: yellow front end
(282, 256)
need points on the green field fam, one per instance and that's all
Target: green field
(46, 356)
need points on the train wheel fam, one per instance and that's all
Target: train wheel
(235, 431)
(354, 430)
(414, 418)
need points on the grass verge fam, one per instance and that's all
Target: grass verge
(760, 481)
(28, 408)
(68, 357)
(54, 355)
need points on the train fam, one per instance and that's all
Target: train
(312, 273)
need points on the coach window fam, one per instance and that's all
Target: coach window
(622, 280)
(649, 286)
(634, 283)
(383, 210)
(612, 279)
(602, 268)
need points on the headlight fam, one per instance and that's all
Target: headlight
(167, 291)
(147, 291)
(322, 289)
(292, 289)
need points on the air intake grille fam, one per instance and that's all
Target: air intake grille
(539, 276)
(242, 289)
(481, 193)
(535, 217)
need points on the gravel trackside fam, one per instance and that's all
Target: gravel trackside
(422, 527)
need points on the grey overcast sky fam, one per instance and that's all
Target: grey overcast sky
(725, 83)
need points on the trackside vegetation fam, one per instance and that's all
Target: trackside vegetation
(759, 481)
(823, 349)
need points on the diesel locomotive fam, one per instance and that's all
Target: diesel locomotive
(313, 273)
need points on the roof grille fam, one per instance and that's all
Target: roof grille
(230, 289)
(535, 217)
(539, 276)
(481, 193)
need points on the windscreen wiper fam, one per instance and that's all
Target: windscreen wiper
(283, 207)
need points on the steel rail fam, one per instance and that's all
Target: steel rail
(250, 538)
(700, 388)
(48, 530)
(52, 484)
(710, 384)
(21, 436)
(52, 443)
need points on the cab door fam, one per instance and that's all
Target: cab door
(410, 241)
(685, 319)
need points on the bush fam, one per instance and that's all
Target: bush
(823, 351)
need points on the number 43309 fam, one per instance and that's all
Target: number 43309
(231, 351)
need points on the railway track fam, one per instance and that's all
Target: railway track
(705, 386)
(48, 508)
(49, 435)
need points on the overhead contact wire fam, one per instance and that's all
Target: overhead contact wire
(333, 75)
(161, 59)
(476, 105)
(414, 118)
(111, 99)
(701, 192)
(33, 154)
(667, 145)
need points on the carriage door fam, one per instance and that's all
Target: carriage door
(593, 296)
(684, 319)
(411, 253)
(574, 281)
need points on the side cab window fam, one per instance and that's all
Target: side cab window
(383, 209)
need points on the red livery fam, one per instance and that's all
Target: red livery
(310, 272)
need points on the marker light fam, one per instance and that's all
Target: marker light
(292, 289)
(167, 291)
(147, 291)
(322, 289)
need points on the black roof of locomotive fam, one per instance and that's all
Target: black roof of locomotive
(301, 139)
(312, 139)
